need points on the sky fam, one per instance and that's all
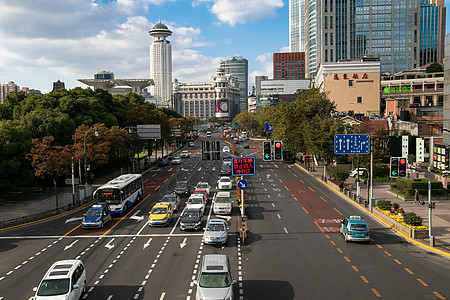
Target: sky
(42, 41)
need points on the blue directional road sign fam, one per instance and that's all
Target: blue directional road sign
(242, 184)
(269, 127)
(351, 144)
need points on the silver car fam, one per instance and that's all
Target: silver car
(216, 232)
(173, 199)
(214, 279)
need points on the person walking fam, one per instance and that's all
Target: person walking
(416, 197)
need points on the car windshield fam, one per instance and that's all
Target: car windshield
(181, 185)
(203, 193)
(93, 213)
(359, 227)
(215, 280)
(191, 214)
(159, 210)
(195, 201)
(54, 287)
(225, 180)
(215, 227)
(168, 198)
(202, 185)
(223, 200)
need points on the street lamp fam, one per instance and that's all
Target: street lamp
(85, 168)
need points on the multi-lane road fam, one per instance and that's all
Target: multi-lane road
(293, 249)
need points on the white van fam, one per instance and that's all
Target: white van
(65, 280)
(214, 279)
(222, 203)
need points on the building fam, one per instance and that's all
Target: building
(432, 31)
(297, 25)
(354, 85)
(286, 86)
(258, 80)
(8, 88)
(58, 85)
(446, 104)
(105, 80)
(289, 65)
(220, 98)
(161, 65)
(391, 30)
(238, 67)
(252, 101)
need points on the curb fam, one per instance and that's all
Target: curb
(418, 243)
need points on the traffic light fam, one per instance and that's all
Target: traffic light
(267, 151)
(394, 167)
(278, 155)
(402, 164)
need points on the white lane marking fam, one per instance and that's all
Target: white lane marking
(70, 245)
(162, 296)
(279, 217)
(285, 230)
(109, 245)
(147, 243)
(184, 243)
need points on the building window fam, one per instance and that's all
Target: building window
(350, 83)
(359, 99)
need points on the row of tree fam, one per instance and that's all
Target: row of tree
(40, 135)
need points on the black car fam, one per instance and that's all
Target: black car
(225, 170)
(182, 188)
(191, 219)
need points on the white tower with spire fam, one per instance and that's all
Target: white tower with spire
(161, 65)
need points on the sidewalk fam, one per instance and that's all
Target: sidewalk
(440, 215)
(31, 204)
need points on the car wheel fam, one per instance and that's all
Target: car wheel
(84, 288)
(345, 238)
(101, 224)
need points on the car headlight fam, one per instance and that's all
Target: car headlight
(198, 223)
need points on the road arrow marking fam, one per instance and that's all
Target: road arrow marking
(213, 169)
(109, 245)
(184, 243)
(137, 218)
(147, 243)
(74, 219)
(170, 170)
(70, 245)
(199, 169)
(268, 175)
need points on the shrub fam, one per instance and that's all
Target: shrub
(412, 219)
(339, 173)
(384, 204)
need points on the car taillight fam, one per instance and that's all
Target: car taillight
(349, 232)
(368, 234)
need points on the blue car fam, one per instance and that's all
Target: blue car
(96, 216)
(191, 144)
(163, 162)
(354, 228)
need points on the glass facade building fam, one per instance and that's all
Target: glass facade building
(238, 67)
(404, 34)
(297, 25)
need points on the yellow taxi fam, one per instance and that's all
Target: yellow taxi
(161, 214)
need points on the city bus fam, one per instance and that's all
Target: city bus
(121, 192)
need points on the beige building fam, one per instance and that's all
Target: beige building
(354, 85)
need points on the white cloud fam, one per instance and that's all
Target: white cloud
(238, 11)
(265, 63)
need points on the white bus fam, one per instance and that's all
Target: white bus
(121, 192)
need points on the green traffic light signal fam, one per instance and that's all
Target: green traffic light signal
(267, 151)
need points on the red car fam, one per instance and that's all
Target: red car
(203, 192)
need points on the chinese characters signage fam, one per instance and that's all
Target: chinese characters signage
(397, 89)
(242, 166)
(348, 76)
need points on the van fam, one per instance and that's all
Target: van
(222, 203)
(66, 279)
(214, 279)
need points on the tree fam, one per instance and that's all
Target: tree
(434, 68)
(49, 160)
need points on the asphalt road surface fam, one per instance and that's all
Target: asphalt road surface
(293, 249)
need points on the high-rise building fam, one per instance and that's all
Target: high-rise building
(446, 104)
(297, 25)
(432, 31)
(238, 67)
(6, 89)
(57, 85)
(289, 65)
(161, 65)
(390, 30)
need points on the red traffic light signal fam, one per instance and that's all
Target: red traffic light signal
(277, 144)
(402, 161)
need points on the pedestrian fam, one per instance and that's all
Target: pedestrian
(416, 197)
(341, 185)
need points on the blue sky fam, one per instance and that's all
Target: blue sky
(47, 40)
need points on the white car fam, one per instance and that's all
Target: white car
(222, 203)
(204, 185)
(196, 201)
(184, 154)
(225, 183)
(226, 149)
(355, 172)
(216, 232)
(65, 280)
(176, 160)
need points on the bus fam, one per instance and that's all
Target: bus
(121, 192)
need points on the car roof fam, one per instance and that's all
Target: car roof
(223, 194)
(215, 263)
(226, 177)
(198, 209)
(216, 221)
(62, 269)
(162, 204)
(196, 196)
(356, 219)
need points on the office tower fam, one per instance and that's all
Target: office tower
(58, 85)
(289, 65)
(446, 104)
(390, 30)
(8, 88)
(161, 65)
(238, 67)
(432, 31)
(297, 25)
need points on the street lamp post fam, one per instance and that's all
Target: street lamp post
(85, 168)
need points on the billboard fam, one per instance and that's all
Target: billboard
(222, 108)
